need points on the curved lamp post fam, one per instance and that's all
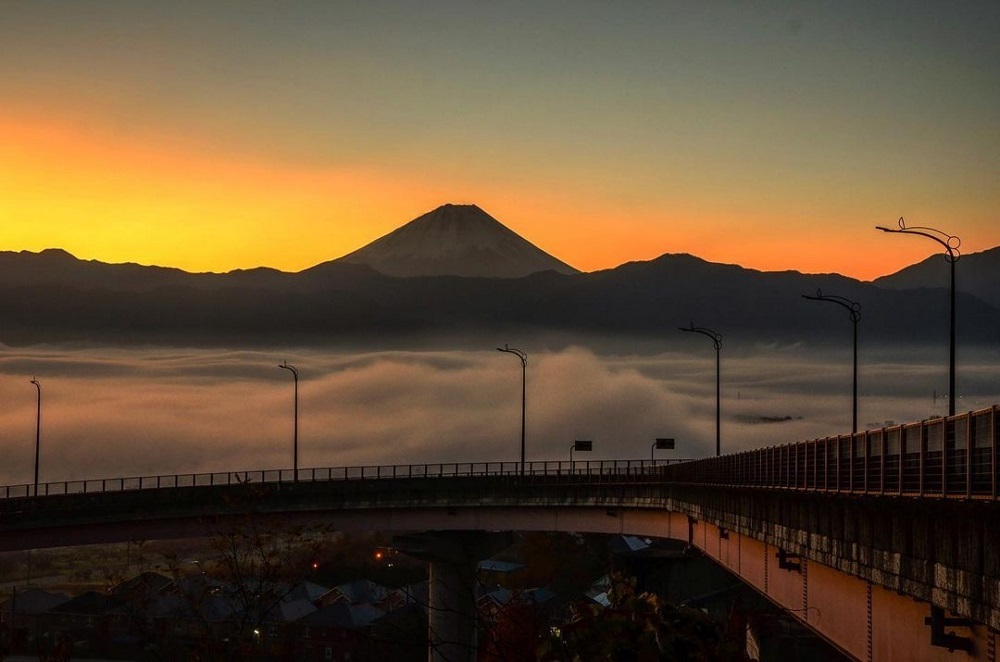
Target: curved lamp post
(38, 429)
(295, 439)
(951, 244)
(717, 341)
(854, 308)
(524, 365)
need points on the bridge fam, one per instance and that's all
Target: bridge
(885, 542)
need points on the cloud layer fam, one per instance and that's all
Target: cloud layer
(109, 412)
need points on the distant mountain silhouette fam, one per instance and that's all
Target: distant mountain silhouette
(456, 240)
(977, 274)
(53, 297)
(57, 267)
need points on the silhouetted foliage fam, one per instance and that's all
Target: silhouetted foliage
(637, 626)
(256, 565)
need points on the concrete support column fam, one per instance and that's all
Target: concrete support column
(454, 558)
(451, 612)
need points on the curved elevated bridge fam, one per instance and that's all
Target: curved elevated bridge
(886, 542)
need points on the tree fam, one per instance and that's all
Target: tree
(257, 562)
(637, 626)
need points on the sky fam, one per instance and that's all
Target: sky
(213, 135)
(108, 412)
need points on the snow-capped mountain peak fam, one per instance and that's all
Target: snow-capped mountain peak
(456, 240)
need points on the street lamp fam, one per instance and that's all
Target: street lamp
(951, 244)
(661, 444)
(38, 429)
(584, 446)
(854, 308)
(524, 364)
(295, 377)
(717, 341)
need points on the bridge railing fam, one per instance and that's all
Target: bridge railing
(958, 456)
(938, 457)
(594, 468)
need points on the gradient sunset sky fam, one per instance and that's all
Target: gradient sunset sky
(215, 135)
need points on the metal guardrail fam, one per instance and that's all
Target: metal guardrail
(953, 457)
(595, 468)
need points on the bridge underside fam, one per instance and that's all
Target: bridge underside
(869, 574)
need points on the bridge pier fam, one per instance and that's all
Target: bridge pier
(451, 612)
(453, 558)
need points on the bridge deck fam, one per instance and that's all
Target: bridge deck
(909, 510)
(955, 457)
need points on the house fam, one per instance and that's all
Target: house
(401, 635)
(600, 592)
(400, 597)
(23, 611)
(337, 632)
(143, 585)
(512, 622)
(307, 590)
(359, 591)
(88, 620)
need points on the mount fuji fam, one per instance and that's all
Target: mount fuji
(409, 284)
(456, 240)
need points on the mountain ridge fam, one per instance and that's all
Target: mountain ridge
(981, 278)
(34, 268)
(456, 271)
(339, 301)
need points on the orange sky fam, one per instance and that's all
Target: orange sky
(156, 201)
(285, 137)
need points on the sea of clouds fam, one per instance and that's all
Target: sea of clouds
(110, 412)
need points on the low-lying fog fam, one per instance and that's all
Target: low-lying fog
(112, 412)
